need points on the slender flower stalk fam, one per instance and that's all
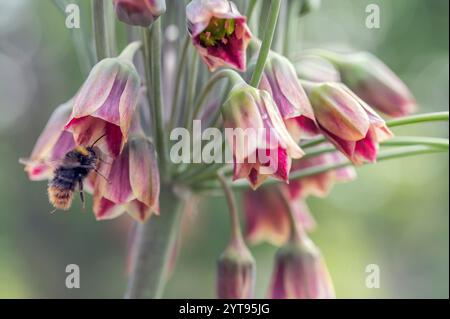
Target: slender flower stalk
(152, 52)
(236, 266)
(181, 67)
(267, 42)
(101, 14)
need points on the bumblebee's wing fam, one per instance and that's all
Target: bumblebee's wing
(30, 162)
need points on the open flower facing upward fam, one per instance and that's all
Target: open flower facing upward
(347, 121)
(219, 33)
(132, 184)
(300, 272)
(105, 104)
(259, 140)
(280, 80)
(319, 185)
(139, 12)
(51, 146)
(267, 215)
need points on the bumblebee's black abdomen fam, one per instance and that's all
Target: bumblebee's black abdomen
(65, 178)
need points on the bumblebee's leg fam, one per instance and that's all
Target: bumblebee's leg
(101, 175)
(80, 187)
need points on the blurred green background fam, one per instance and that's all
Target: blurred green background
(395, 215)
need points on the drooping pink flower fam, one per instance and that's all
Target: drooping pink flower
(347, 121)
(267, 216)
(319, 185)
(236, 272)
(375, 83)
(105, 105)
(316, 69)
(280, 80)
(219, 33)
(132, 183)
(300, 273)
(258, 138)
(51, 146)
(139, 12)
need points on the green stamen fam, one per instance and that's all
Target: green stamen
(217, 31)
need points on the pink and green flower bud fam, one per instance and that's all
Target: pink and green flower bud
(267, 216)
(347, 121)
(132, 184)
(375, 83)
(316, 69)
(319, 185)
(139, 12)
(280, 80)
(106, 102)
(236, 272)
(51, 146)
(219, 33)
(258, 138)
(300, 273)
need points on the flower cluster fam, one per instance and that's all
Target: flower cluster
(125, 177)
(302, 123)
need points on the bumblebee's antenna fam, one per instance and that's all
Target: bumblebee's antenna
(95, 142)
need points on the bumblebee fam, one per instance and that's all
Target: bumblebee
(70, 174)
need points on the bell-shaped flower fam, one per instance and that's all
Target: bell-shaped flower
(375, 83)
(280, 80)
(258, 138)
(139, 12)
(236, 272)
(51, 146)
(106, 102)
(347, 121)
(267, 218)
(316, 69)
(132, 184)
(300, 273)
(219, 33)
(319, 185)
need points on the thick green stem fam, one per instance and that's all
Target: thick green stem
(152, 53)
(102, 30)
(267, 42)
(153, 246)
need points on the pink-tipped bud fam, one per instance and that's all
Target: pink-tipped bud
(319, 185)
(219, 33)
(280, 80)
(51, 146)
(300, 273)
(132, 184)
(347, 121)
(236, 272)
(316, 69)
(258, 138)
(267, 216)
(105, 104)
(375, 83)
(139, 12)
